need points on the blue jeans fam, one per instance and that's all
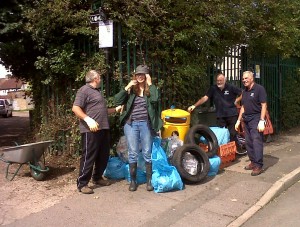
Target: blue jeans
(138, 135)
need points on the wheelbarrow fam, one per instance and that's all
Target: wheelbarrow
(30, 154)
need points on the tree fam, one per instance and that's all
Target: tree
(51, 43)
(17, 49)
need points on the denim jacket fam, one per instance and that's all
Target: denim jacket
(123, 98)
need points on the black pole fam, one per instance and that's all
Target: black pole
(107, 85)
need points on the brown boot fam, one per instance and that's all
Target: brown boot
(251, 166)
(102, 182)
(86, 190)
(256, 171)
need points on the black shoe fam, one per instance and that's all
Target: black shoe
(241, 151)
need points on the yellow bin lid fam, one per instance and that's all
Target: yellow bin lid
(176, 116)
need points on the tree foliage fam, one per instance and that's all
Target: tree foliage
(51, 44)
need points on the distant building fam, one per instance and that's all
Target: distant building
(13, 90)
(10, 85)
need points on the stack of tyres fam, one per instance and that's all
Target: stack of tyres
(191, 161)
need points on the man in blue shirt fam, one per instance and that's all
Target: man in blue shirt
(225, 97)
(253, 112)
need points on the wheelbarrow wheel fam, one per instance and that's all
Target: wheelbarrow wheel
(38, 175)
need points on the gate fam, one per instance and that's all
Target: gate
(269, 72)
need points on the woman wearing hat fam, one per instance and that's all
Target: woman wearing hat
(141, 120)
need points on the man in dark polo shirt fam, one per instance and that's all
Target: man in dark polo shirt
(225, 97)
(253, 112)
(90, 107)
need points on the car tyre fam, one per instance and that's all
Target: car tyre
(194, 134)
(200, 156)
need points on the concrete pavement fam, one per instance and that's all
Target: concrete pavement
(281, 211)
(228, 199)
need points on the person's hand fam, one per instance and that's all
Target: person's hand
(93, 125)
(130, 84)
(261, 126)
(237, 125)
(119, 108)
(148, 79)
(191, 108)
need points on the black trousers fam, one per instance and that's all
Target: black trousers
(229, 123)
(94, 157)
(254, 142)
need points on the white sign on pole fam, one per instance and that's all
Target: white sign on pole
(105, 34)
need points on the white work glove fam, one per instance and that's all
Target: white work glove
(237, 125)
(93, 125)
(261, 126)
(191, 108)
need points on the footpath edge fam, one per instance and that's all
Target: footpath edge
(276, 189)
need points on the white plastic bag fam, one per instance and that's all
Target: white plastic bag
(122, 149)
(190, 163)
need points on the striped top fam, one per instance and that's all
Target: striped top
(139, 111)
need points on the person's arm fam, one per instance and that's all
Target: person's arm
(263, 111)
(262, 122)
(79, 112)
(198, 103)
(130, 84)
(237, 100)
(93, 125)
(238, 122)
(122, 97)
(114, 110)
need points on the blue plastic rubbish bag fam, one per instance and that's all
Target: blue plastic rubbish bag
(214, 165)
(115, 168)
(164, 177)
(222, 134)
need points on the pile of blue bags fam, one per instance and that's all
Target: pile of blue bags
(164, 176)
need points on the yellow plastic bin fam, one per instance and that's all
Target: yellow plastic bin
(175, 120)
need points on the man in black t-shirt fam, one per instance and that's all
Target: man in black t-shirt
(253, 112)
(225, 97)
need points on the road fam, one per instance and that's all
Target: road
(14, 129)
(282, 211)
(218, 201)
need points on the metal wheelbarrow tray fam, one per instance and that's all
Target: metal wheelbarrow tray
(31, 154)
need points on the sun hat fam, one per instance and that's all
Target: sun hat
(142, 69)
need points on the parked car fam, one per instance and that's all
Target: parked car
(5, 108)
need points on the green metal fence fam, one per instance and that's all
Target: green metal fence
(269, 71)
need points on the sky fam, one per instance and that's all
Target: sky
(3, 71)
